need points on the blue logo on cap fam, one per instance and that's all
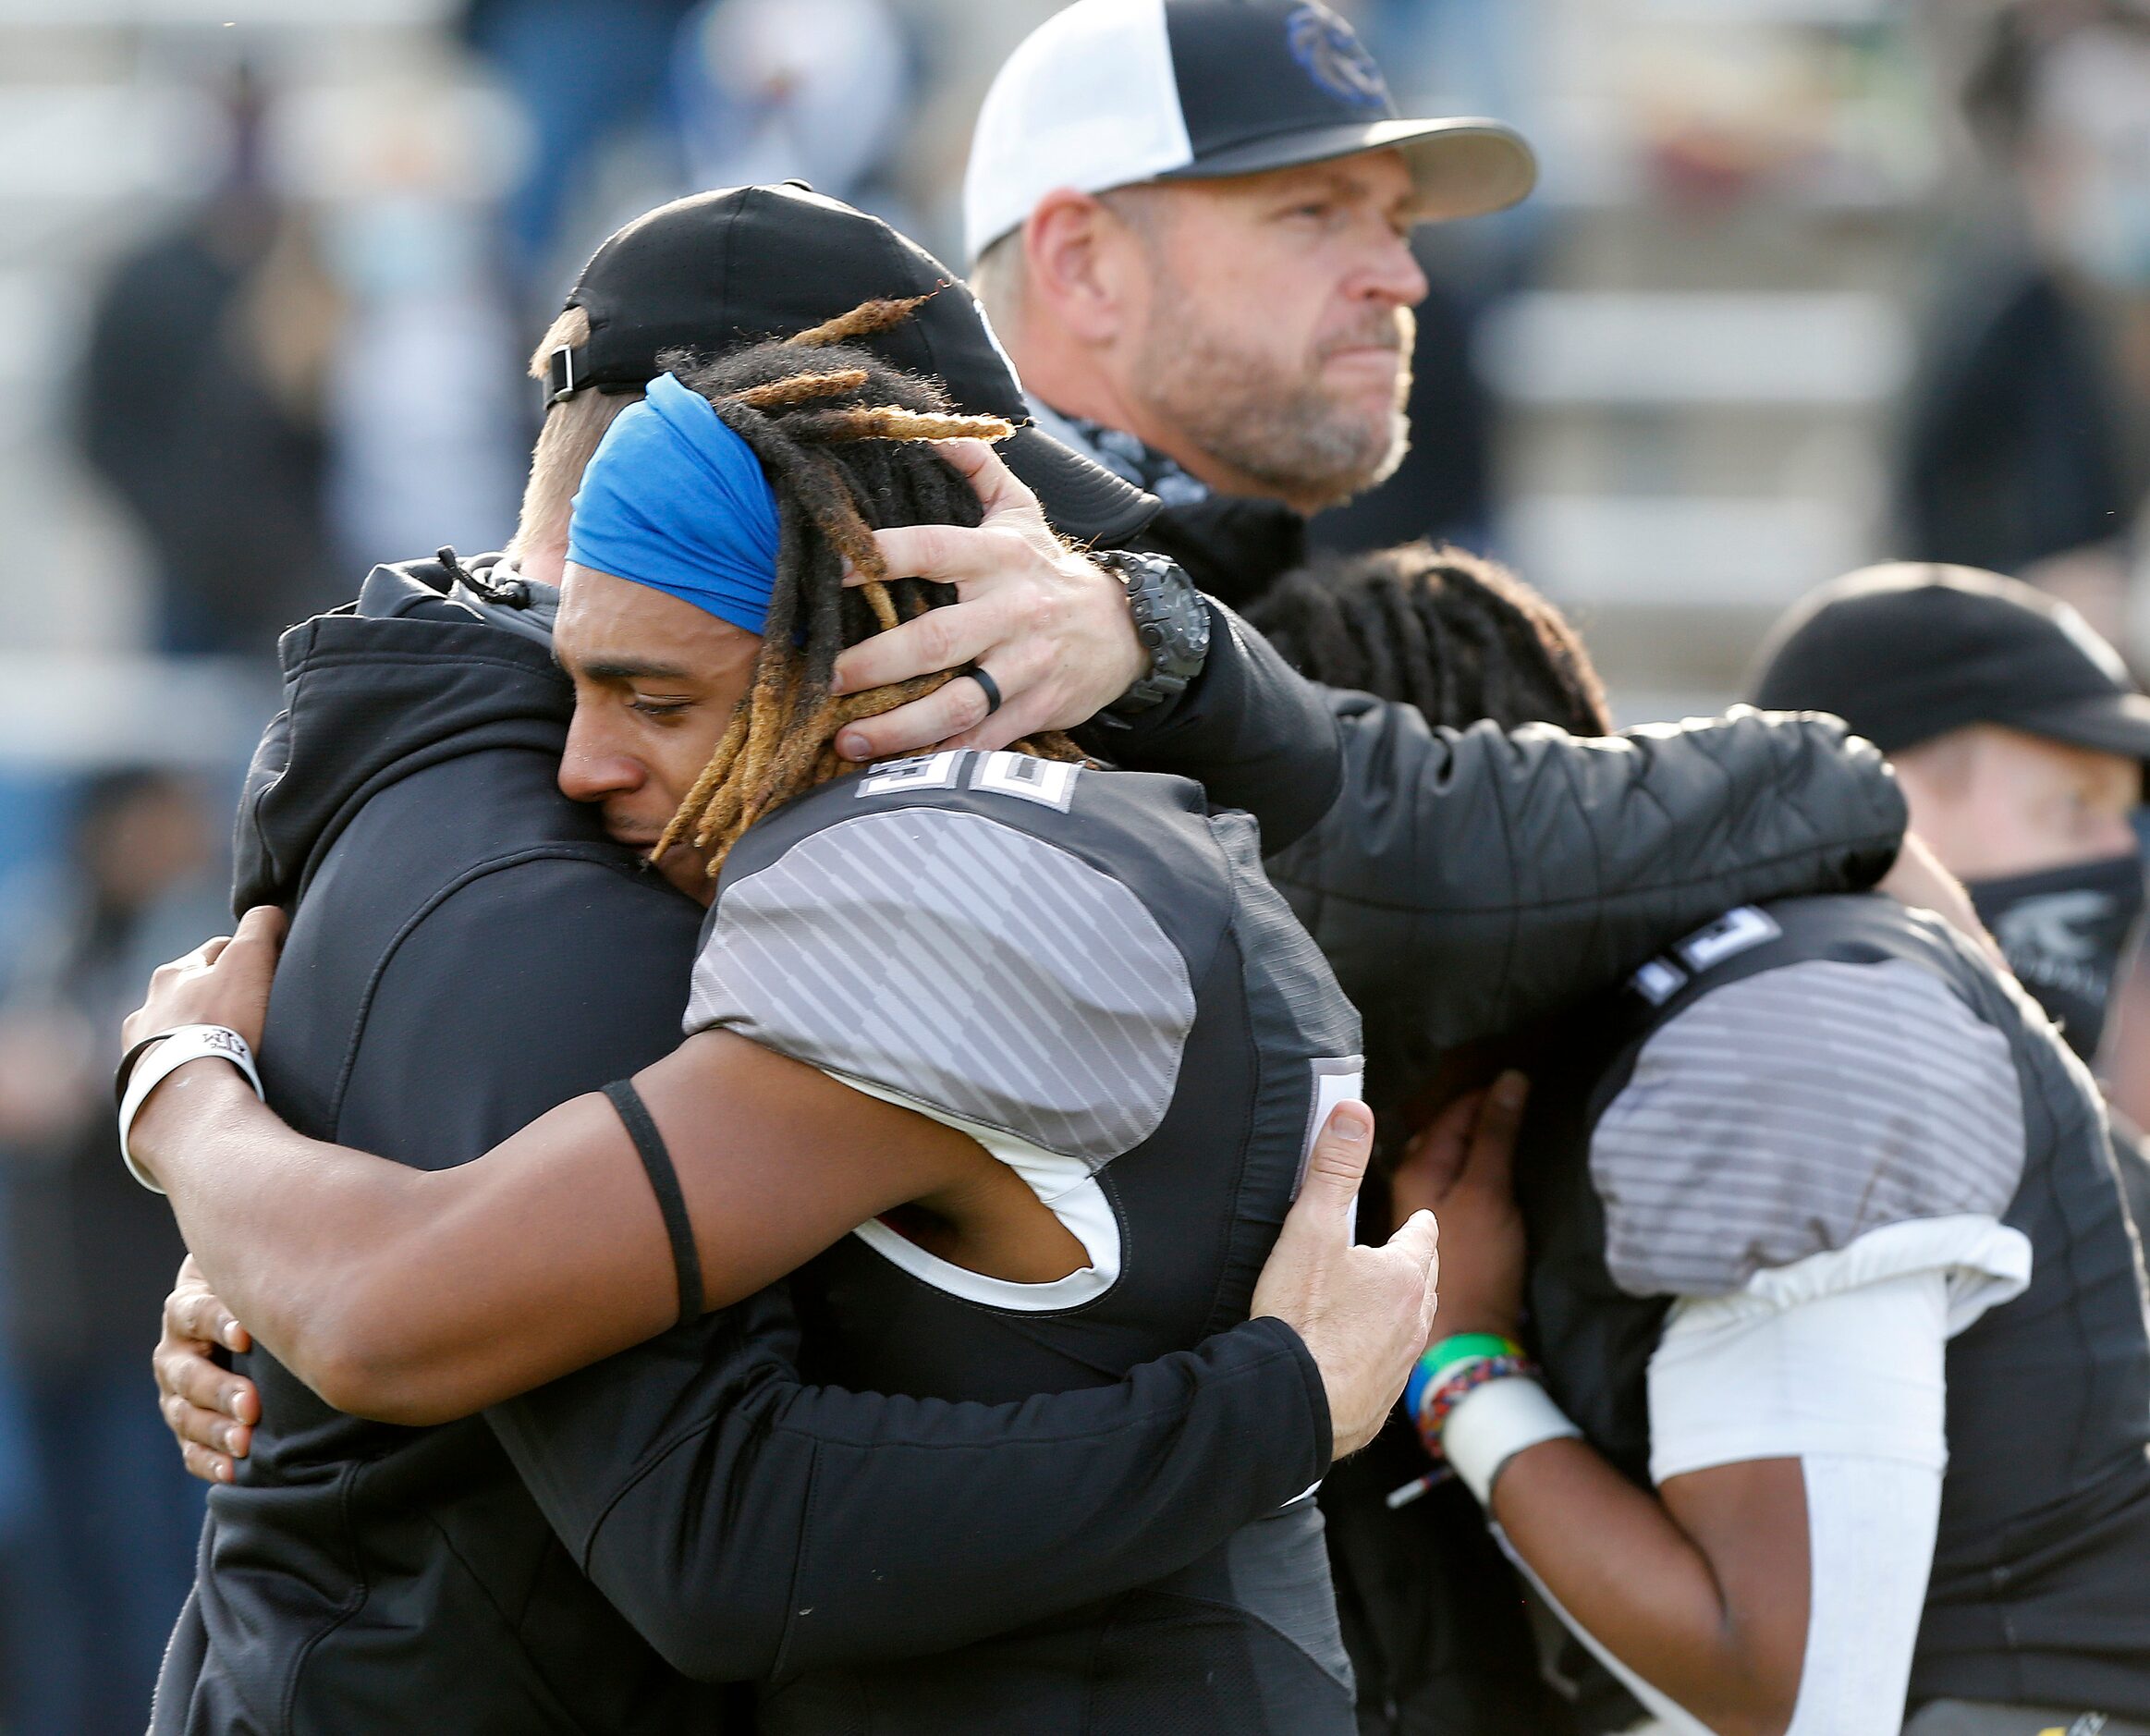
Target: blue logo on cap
(1333, 57)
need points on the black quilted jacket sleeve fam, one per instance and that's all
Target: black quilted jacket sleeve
(1250, 729)
(1465, 884)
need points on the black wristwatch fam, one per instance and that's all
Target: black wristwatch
(1171, 620)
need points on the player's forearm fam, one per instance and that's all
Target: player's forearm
(402, 1294)
(416, 1296)
(1625, 1571)
(276, 1220)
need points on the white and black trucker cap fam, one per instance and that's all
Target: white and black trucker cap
(1111, 92)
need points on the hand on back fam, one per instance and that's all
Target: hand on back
(222, 982)
(1365, 1313)
(211, 1411)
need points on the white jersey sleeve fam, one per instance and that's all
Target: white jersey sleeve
(1838, 1360)
(1849, 1381)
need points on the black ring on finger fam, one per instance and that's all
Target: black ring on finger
(987, 686)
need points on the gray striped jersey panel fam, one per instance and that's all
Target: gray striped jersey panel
(1789, 1113)
(970, 967)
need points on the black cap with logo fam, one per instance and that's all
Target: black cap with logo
(1906, 653)
(719, 269)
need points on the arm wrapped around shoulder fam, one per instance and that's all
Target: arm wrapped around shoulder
(1467, 882)
(1252, 730)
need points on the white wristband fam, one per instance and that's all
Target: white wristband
(187, 1043)
(1493, 1425)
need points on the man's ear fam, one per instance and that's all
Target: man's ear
(1083, 267)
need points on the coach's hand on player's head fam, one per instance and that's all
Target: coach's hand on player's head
(211, 1409)
(1050, 628)
(1365, 1313)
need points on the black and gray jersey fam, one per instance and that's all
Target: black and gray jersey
(1804, 1076)
(1090, 975)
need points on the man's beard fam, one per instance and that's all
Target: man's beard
(1291, 433)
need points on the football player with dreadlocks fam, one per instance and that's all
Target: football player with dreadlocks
(1023, 1055)
(1825, 1394)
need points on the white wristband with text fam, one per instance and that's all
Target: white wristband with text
(187, 1043)
(1492, 1425)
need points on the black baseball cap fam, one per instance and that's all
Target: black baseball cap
(1110, 94)
(1906, 653)
(716, 269)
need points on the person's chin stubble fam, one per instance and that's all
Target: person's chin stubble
(1291, 434)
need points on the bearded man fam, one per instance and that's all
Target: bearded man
(1191, 221)
(1190, 224)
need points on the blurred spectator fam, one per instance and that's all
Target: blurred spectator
(584, 71)
(2025, 442)
(18, 1534)
(409, 247)
(791, 89)
(108, 1549)
(200, 401)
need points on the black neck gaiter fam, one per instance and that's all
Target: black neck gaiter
(2063, 932)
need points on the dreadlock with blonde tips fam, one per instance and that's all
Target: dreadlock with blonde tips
(847, 446)
(887, 422)
(862, 321)
(802, 389)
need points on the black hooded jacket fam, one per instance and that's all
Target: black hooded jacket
(468, 950)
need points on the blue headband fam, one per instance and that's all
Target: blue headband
(675, 500)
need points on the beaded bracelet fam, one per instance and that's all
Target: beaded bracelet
(1450, 1353)
(1433, 1415)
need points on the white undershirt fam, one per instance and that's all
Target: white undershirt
(1836, 1361)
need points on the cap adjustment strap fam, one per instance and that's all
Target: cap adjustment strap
(560, 375)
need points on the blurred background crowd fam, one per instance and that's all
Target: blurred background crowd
(1808, 282)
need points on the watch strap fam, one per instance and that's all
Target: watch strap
(1156, 585)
